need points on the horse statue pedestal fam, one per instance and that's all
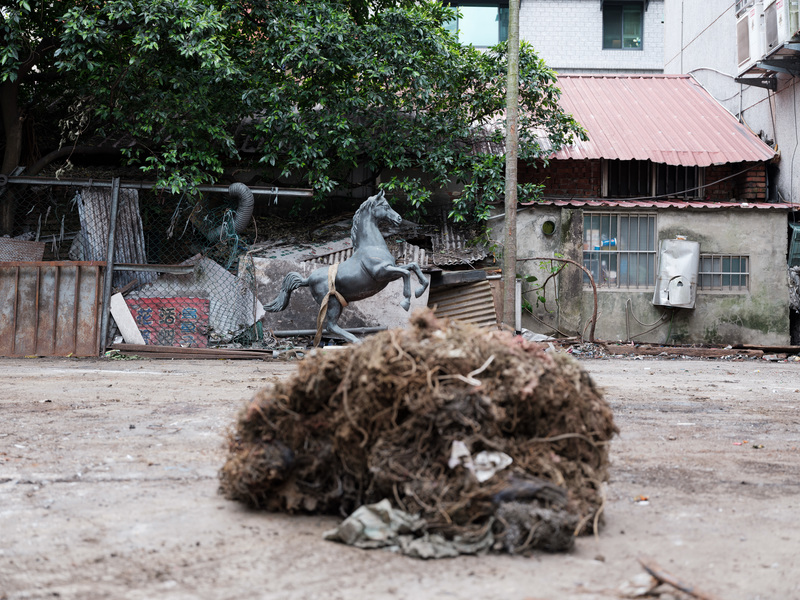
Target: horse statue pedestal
(368, 271)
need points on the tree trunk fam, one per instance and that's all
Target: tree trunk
(512, 142)
(12, 128)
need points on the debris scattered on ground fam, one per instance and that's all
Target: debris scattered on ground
(381, 420)
(682, 352)
(588, 350)
(659, 577)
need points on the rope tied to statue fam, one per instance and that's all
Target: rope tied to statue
(323, 307)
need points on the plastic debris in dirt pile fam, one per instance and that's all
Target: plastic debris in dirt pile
(480, 439)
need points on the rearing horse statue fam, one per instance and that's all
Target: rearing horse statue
(364, 274)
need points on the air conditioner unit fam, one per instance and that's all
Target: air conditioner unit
(750, 37)
(781, 22)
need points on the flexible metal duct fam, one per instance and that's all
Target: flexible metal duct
(244, 211)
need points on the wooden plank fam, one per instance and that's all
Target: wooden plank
(124, 320)
(180, 352)
(676, 351)
(784, 349)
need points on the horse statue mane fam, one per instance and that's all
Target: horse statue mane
(362, 213)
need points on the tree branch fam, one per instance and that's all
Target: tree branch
(591, 279)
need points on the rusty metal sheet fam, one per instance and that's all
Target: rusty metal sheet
(473, 303)
(668, 119)
(50, 308)
(12, 250)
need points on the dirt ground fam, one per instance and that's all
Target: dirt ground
(108, 489)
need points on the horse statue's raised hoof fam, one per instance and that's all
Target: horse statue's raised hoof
(405, 303)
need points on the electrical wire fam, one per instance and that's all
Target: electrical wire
(689, 43)
(721, 73)
(669, 329)
(653, 326)
(502, 215)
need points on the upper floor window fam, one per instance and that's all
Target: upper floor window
(480, 23)
(628, 178)
(642, 178)
(679, 181)
(623, 25)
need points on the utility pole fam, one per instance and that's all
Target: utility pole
(512, 143)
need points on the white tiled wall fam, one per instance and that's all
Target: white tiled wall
(568, 35)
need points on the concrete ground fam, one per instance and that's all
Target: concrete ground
(108, 489)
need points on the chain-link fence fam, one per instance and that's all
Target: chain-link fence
(180, 265)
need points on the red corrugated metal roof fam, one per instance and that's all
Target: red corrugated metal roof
(644, 203)
(663, 118)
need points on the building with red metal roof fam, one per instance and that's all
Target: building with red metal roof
(666, 173)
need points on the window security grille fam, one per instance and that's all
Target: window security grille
(675, 180)
(726, 272)
(620, 249)
(628, 178)
(642, 179)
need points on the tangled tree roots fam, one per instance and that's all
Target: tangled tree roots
(379, 420)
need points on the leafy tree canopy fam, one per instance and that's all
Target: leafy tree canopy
(321, 87)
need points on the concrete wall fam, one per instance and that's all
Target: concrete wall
(568, 35)
(700, 39)
(757, 316)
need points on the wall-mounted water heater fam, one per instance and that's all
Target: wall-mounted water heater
(678, 268)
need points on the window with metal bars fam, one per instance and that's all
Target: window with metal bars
(628, 178)
(619, 249)
(725, 272)
(677, 180)
(642, 178)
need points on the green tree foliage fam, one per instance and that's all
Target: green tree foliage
(322, 87)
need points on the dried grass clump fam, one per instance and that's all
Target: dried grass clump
(378, 420)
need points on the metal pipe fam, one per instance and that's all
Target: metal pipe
(112, 227)
(300, 332)
(143, 185)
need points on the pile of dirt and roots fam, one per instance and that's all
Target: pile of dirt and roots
(472, 431)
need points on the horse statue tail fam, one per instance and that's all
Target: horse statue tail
(291, 282)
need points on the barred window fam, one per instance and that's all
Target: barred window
(727, 272)
(620, 249)
(679, 181)
(642, 178)
(628, 178)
